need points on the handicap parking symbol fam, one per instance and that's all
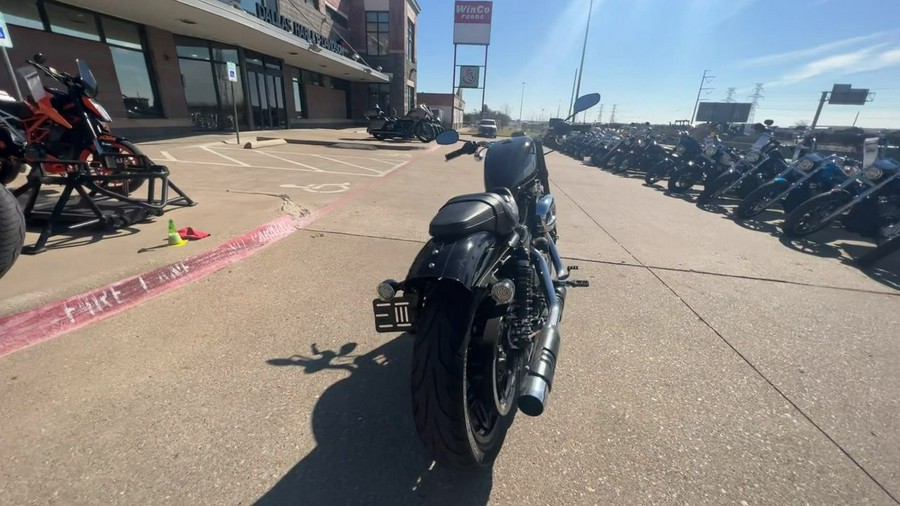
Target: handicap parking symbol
(321, 188)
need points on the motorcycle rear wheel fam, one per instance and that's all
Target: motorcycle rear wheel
(457, 424)
(129, 150)
(12, 230)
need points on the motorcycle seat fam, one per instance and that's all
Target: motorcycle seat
(16, 108)
(477, 212)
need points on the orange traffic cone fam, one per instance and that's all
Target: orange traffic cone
(174, 238)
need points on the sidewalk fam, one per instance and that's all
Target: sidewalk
(236, 190)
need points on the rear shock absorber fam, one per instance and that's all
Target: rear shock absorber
(524, 288)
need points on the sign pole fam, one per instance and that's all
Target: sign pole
(237, 130)
(12, 74)
(819, 110)
(484, 79)
(453, 88)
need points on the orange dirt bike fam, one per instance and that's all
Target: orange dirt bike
(68, 125)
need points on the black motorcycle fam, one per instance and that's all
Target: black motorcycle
(418, 123)
(760, 164)
(484, 298)
(868, 203)
(687, 150)
(715, 158)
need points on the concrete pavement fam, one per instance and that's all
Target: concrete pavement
(707, 364)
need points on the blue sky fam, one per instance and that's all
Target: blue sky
(647, 56)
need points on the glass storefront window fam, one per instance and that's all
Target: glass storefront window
(298, 98)
(75, 23)
(380, 95)
(225, 92)
(195, 50)
(199, 87)
(135, 84)
(377, 31)
(121, 33)
(221, 54)
(22, 13)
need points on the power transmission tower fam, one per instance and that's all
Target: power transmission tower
(612, 116)
(703, 80)
(730, 97)
(600, 114)
(755, 98)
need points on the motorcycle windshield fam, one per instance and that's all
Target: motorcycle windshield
(762, 141)
(87, 78)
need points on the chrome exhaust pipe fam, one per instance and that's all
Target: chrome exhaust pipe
(538, 381)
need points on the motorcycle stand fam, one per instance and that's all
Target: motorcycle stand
(95, 203)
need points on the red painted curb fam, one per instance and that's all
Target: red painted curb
(41, 324)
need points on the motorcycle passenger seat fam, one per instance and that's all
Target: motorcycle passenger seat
(16, 108)
(477, 212)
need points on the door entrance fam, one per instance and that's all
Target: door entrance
(264, 83)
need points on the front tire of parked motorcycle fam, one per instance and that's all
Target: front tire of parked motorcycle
(9, 170)
(658, 171)
(713, 190)
(758, 200)
(807, 217)
(682, 180)
(449, 417)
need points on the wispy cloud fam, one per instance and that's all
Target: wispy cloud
(798, 54)
(862, 60)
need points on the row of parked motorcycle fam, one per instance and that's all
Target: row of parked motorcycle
(419, 123)
(813, 189)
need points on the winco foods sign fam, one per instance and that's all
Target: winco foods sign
(472, 23)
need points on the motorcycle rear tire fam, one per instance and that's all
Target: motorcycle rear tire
(12, 230)
(8, 171)
(440, 387)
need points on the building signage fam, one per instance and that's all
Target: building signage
(232, 71)
(468, 76)
(5, 40)
(289, 25)
(472, 23)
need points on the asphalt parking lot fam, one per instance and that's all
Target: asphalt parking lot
(706, 364)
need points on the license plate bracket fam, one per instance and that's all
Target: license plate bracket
(397, 315)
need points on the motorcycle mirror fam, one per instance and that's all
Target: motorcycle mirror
(585, 102)
(447, 137)
(769, 122)
(39, 58)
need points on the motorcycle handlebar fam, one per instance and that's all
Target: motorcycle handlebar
(454, 154)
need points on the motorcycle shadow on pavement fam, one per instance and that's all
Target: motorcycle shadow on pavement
(366, 450)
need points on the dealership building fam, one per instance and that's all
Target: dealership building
(163, 65)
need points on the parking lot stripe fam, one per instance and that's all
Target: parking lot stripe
(210, 150)
(167, 156)
(348, 163)
(315, 169)
(289, 169)
(21, 330)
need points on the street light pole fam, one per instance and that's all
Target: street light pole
(521, 103)
(584, 48)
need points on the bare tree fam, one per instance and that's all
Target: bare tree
(506, 109)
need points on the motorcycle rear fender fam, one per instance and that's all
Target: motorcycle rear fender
(780, 180)
(464, 260)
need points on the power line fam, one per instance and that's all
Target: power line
(730, 95)
(612, 116)
(703, 80)
(755, 97)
